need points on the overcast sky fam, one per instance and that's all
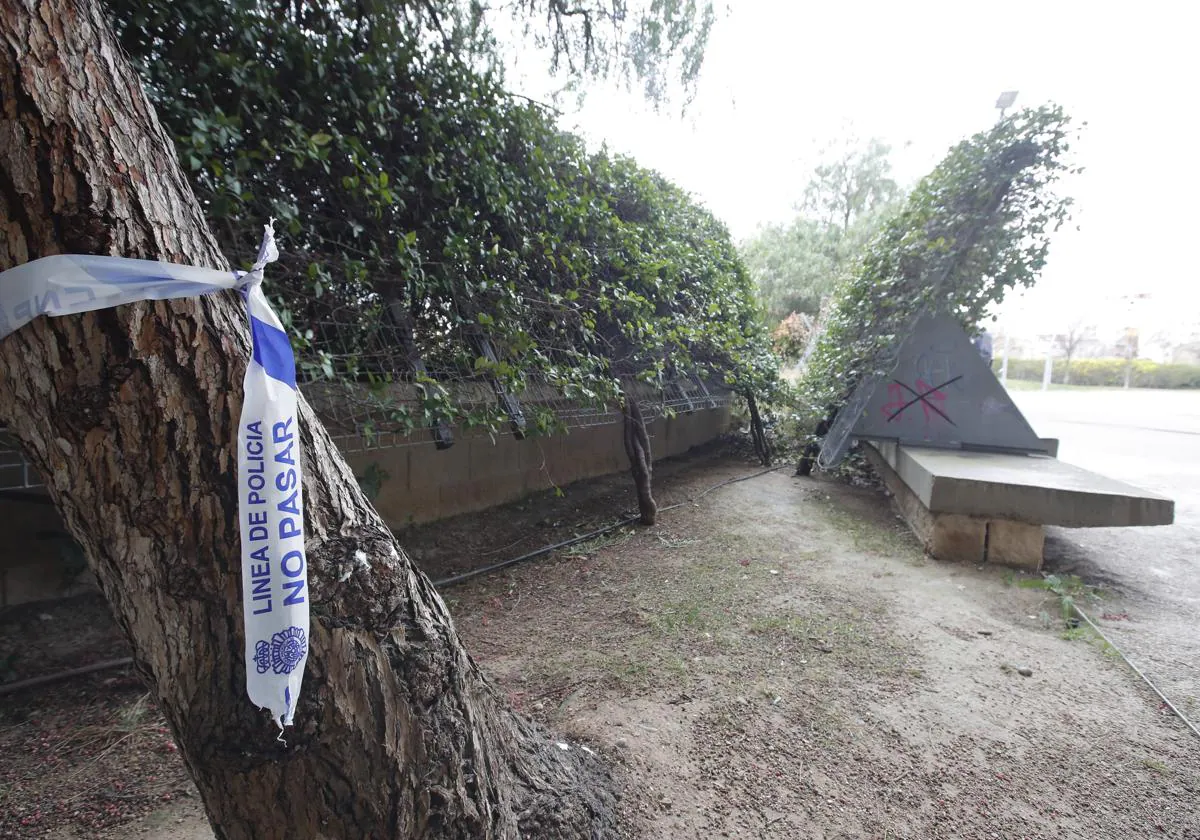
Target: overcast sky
(783, 78)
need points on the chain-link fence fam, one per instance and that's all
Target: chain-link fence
(15, 471)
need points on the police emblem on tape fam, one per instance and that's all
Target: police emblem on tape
(283, 653)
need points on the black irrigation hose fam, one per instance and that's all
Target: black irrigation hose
(450, 581)
(1166, 700)
(503, 564)
(8, 688)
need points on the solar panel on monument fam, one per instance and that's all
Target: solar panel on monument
(942, 394)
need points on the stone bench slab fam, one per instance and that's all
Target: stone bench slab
(1031, 489)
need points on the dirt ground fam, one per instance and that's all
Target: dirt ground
(83, 755)
(777, 660)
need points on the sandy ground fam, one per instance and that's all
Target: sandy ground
(780, 660)
(838, 684)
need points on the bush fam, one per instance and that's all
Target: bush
(1106, 373)
(791, 336)
(423, 212)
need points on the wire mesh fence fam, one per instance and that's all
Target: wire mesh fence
(16, 473)
(361, 418)
(383, 373)
(368, 368)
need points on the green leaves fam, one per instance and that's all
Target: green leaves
(414, 196)
(975, 227)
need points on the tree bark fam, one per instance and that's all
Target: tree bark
(758, 432)
(808, 458)
(131, 415)
(641, 461)
(441, 431)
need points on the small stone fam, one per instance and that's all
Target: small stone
(623, 743)
(984, 632)
(1025, 672)
(538, 706)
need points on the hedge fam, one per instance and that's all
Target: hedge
(1108, 373)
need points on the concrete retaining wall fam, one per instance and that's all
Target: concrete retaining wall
(32, 562)
(420, 484)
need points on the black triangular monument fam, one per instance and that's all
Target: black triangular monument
(943, 394)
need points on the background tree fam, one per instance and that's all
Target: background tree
(796, 266)
(655, 44)
(658, 45)
(853, 182)
(1068, 342)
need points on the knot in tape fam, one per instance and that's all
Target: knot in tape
(267, 253)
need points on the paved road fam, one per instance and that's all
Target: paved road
(1150, 439)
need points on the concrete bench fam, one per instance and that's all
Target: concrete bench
(992, 507)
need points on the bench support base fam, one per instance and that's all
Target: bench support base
(964, 539)
(1016, 544)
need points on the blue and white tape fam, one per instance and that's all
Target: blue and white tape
(271, 506)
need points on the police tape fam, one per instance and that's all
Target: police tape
(270, 498)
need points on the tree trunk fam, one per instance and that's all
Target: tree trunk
(131, 415)
(808, 458)
(637, 447)
(440, 429)
(758, 433)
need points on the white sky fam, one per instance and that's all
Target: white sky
(782, 78)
